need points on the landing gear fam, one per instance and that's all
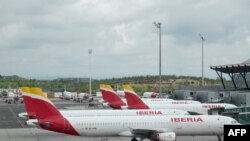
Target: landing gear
(219, 138)
(134, 139)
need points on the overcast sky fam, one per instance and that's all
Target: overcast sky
(51, 38)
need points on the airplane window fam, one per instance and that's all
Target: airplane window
(234, 122)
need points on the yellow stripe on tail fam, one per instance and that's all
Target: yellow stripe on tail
(38, 91)
(107, 87)
(25, 89)
(128, 87)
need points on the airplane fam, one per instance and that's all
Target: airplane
(167, 100)
(28, 101)
(110, 91)
(112, 99)
(157, 128)
(12, 97)
(149, 95)
(67, 95)
(81, 96)
(134, 102)
(115, 102)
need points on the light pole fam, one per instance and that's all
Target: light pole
(158, 25)
(90, 88)
(202, 60)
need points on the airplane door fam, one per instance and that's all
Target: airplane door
(125, 124)
(66, 125)
(179, 125)
(221, 124)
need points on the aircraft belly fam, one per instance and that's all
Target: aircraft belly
(99, 131)
(195, 129)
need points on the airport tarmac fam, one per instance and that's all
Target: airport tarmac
(9, 112)
(13, 128)
(34, 134)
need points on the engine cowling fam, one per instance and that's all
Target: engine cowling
(32, 122)
(170, 136)
(23, 115)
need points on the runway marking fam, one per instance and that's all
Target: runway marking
(11, 110)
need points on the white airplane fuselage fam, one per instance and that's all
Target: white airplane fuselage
(165, 101)
(196, 108)
(150, 112)
(84, 113)
(116, 113)
(181, 125)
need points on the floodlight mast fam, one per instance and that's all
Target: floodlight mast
(158, 25)
(202, 60)
(90, 74)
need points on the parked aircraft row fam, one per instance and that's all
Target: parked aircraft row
(110, 96)
(156, 124)
(30, 110)
(133, 101)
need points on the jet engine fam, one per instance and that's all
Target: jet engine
(32, 122)
(23, 115)
(170, 136)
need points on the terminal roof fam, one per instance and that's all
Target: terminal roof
(233, 68)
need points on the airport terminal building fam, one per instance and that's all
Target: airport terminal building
(235, 91)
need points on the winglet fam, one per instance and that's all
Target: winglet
(133, 100)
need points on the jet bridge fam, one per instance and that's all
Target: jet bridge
(241, 114)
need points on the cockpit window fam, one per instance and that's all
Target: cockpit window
(234, 122)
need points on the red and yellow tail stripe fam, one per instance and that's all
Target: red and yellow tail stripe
(129, 89)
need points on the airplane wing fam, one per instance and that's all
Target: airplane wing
(154, 134)
(193, 113)
(143, 132)
(147, 132)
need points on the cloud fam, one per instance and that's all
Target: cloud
(51, 38)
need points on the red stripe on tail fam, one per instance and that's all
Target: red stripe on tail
(134, 101)
(50, 118)
(29, 106)
(112, 98)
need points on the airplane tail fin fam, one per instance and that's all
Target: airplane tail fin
(133, 100)
(49, 118)
(44, 107)
(111, 97)
(28, 104)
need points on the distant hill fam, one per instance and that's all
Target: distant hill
(11, 78)
(72, 79)
(151, 82)
(140, 83)
(152, 79)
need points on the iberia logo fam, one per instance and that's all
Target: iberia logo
(142, 113)
(186, 119)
